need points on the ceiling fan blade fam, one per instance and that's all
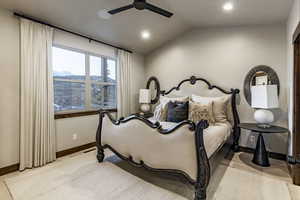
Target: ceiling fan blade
(158, 10)
(115, 11)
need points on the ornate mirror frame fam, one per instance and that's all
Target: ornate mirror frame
(272, 75)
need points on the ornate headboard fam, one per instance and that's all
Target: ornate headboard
(233, 92)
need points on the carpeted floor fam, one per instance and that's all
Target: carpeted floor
(81, 177)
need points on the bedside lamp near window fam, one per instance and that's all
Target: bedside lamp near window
(264, 97)
(145, 100)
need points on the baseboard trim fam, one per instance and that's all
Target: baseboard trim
(15, 167)
(75, 149)
(277, 156)
(9, 169)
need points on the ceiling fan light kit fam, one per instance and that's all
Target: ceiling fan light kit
(142, 5)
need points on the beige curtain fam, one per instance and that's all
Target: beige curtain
(37, 137)
(124, 72)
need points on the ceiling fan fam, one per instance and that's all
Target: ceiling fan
(142, 5)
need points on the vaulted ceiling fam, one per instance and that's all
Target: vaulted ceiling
(124, 29)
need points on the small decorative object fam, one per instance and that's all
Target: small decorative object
(154, 87)
(262, 80)
(264, 97)
(145, 100)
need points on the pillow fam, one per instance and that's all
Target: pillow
(160, 112)
(177, 111)
(219, 106)
(166, 100)
(199, 111)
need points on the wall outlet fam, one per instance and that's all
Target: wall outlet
(252, 139)
(74, 136)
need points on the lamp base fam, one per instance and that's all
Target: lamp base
(263, 118)
(145, 107)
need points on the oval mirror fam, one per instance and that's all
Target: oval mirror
(260, 75)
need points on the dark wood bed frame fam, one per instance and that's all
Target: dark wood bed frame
(203, 163)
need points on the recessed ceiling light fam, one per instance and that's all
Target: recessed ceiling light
(228, 6)
(145, 35)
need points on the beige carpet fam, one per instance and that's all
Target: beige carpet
(81, 178)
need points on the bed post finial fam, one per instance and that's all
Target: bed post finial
(203, 166)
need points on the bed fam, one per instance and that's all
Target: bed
(187, 149)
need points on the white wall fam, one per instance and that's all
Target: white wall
(77, 42)
(9, 87)
(84, 127)
(292, 23)
(224, 56)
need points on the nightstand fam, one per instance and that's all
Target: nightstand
(261, 156)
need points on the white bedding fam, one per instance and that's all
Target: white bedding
(214, 136)
(171, 151)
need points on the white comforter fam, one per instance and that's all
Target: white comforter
(214, 136)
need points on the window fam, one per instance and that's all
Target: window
(83, 81)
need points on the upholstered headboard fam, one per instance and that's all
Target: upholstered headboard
(200, 86)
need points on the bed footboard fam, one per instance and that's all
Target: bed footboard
(202, 175)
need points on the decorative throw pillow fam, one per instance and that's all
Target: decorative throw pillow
(177, 111)
(219, 106)
(199, 111)
(160, 112)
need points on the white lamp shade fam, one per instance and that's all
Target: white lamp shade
(264, 96)
(145, 96)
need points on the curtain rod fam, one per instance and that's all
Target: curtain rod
(68, 31)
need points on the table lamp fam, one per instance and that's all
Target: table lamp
(145, 100)
(264, 97)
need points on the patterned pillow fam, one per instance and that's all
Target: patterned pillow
(177, 111)
(220, 105)
(199, 111)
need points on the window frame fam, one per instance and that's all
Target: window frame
(89, 110)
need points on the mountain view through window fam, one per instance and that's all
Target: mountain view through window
(83, 81)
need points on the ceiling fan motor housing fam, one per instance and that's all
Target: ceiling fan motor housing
(139, 4)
